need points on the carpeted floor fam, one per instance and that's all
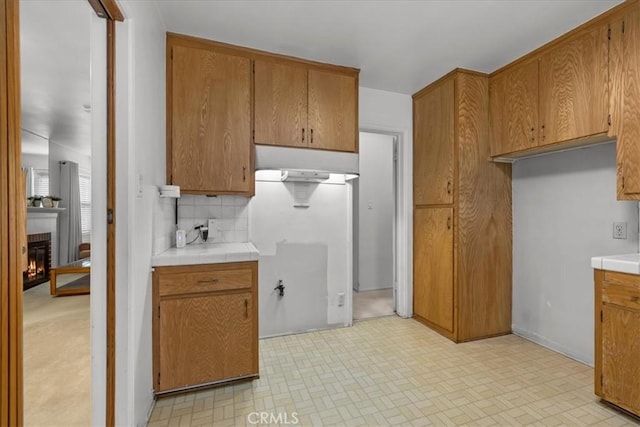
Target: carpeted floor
(368, 304)
(57, 358)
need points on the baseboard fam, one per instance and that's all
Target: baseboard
(549, 344)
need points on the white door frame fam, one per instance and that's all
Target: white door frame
(403, 218)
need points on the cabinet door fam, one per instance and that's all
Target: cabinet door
(433, 145)
(621, 356)
(433, 266)
(574, 99)
(628, 145)
(280, 104)
(514, 109)
(206, 338)
(333, 106)
(210, 121)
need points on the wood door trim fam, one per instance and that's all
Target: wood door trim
(10, 254)
(107, 9)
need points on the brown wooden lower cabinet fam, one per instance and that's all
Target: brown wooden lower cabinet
(205, 325)
(617, 339)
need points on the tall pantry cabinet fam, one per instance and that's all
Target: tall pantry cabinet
(462, 212)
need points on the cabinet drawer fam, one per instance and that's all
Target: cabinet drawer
(622, 279)
(204, 281)
(622, 295)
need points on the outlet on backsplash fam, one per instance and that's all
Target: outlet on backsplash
(228, 213)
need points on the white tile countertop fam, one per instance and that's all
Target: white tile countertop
(207, 253)
(628, 263)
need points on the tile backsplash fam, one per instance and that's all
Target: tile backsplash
(230, 213)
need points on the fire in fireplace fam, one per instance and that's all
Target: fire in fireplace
(39, 260)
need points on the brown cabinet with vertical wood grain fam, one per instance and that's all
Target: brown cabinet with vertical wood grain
(617, 339)
(560, 94)
(208, 119)
(574, 100)
(299, 105)
(514, 108)
(434, 134)
(280, 104)
(625, 83)
(205, 325)
(462, 213)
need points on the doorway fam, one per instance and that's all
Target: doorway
(56, 144)
(375, 212)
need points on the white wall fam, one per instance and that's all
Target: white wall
(36, 161)
(140, 134)
(376, 205)
(382, 111)
(309, 249)
(564, 206)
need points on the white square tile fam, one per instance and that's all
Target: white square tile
(228, 200)
(228, 212)
(242, 224)
(229, 236)
(242, 236)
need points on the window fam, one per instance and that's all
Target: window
(85, 205)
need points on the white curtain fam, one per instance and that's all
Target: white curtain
(70, 229)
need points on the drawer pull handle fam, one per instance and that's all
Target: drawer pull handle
(448, 223)
(208, 281)
(246, 308)
(448, 187)
(303, 135)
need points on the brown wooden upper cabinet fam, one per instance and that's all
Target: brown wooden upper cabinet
(514, 108)
(574, 101)
(625, 39)
(208, 119)
(300, 106)
(560, 94)
(433, 136)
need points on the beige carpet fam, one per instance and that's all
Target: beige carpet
(368, 304)
(57, 358)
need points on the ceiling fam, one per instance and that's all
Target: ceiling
(55, 74)
(400, 46)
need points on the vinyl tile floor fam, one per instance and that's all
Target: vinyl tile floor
(369, 304)
(394, 371)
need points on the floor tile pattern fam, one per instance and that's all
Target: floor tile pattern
(393, 371)
(368, 304)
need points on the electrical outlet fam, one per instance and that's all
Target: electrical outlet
(340, 299)
(215, 233)
(619, 230)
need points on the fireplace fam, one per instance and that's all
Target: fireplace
(39, 260)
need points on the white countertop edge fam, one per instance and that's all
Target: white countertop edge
(214, 253)
(625, 263)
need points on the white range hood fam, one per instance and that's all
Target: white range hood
(304, 159)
